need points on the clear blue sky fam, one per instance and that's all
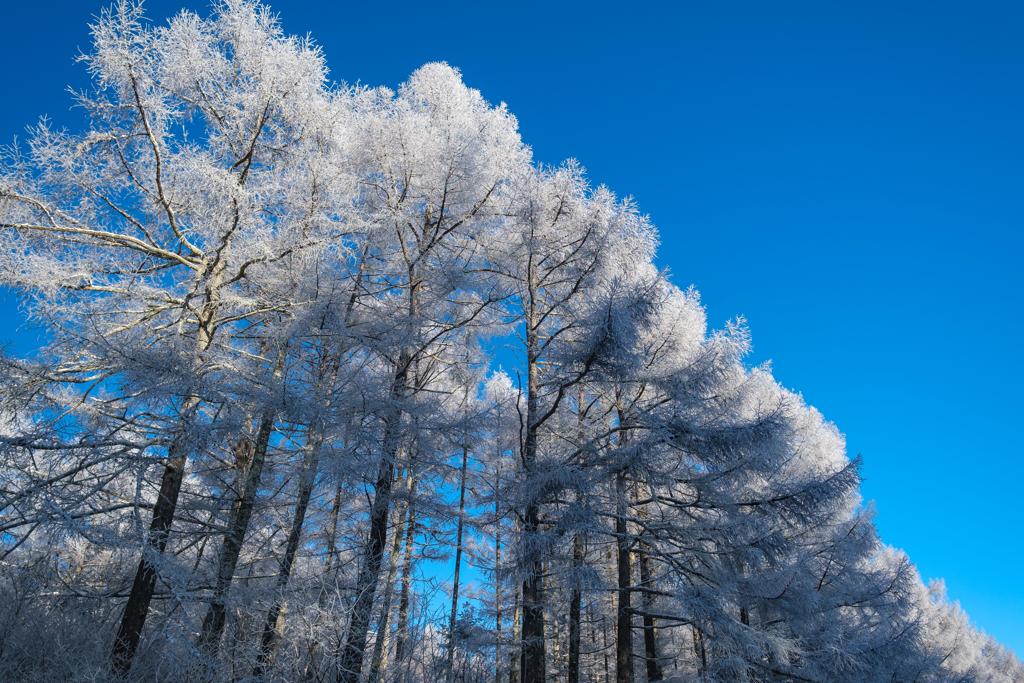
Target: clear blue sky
(849, 176)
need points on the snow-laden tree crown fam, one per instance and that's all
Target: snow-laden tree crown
(271, 438)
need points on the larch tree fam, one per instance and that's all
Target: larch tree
(438, 158)
(563, 252)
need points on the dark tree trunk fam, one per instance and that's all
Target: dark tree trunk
(498, 654)
(458, 561)
(213, 624)
(534, 653)
(604, 638)
(700, 651)
(354, 649)
(137, 607)
(271, 628)
(624, 615)
(654, 672)
(402, 630)
(574, 614)
(379, 662)
(534, 664)
(517, 640)
(577, 559)
(332, 535)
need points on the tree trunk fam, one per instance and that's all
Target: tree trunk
(271, 637)
(353, 652)
(574, 613)
(517, 641)
(402, 631)
(379, 662)
(498, 654)
(533, 654)
(556, 632)
(354, 649)
(592, 618)
(332, 534)
(744, 613)
(137, 607)
(700, 651)
(653, 662)
(213, 624)
(654, 671)
(604, 635)
(577, 561)
(458, 561)
(624, 616)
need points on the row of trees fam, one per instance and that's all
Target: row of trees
(269, 408)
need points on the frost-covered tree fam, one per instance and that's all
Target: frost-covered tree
(437, 158)
(563, 253)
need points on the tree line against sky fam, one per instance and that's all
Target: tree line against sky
(308, 342)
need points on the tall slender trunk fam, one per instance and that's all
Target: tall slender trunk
(379, 662)
(556, 632)
(533, 655)
(744, 612)
(700, 651)
(624, 616)
(573, 673)
(654, 670)
(574, 612)
(137, 607)
(592, 618)
(402, 630)
(517, 640)
(498, 654)
(272, 626)
(604, 636)
(458, 558)
(133, 618)
(213, 624)
(353, 651)
(332, 534)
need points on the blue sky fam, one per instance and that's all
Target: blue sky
(849, 176)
